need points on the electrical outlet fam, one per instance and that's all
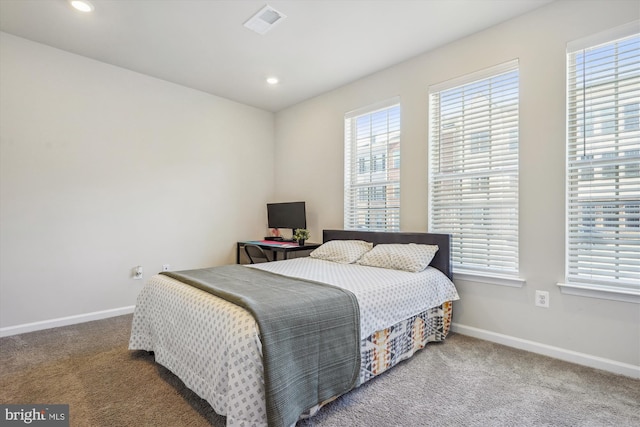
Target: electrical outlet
(166, 267)
(542, 299)
(137, 273)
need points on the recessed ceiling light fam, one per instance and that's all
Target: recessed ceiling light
(272, 80)
(81, 5)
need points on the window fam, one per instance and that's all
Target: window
(372, 168)
(473, 185)
(603, 162)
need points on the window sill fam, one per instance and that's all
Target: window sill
(601, 292)
(514, 282)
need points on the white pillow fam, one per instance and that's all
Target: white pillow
(408, 257)
(342, 251)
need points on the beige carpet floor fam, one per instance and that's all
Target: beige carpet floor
(461, 382)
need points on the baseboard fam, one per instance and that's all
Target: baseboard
(584, 359)
(64, 321)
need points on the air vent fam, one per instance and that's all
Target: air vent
(264, 20)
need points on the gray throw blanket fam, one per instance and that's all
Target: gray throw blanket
(310, 334)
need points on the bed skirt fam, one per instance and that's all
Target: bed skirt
(384, 349)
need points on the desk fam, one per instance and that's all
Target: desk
(275, 247)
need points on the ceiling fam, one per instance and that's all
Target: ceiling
(203, 44)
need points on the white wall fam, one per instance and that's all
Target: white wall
(309, 138)
(103, 169)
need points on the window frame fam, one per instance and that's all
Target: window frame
(600, 163)
(381, 163)
(477, 144)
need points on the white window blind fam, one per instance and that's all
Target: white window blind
(473, 185)
(372, 168)
(603, 160)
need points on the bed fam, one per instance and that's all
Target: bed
(216, 347)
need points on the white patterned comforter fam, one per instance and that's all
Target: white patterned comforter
(385, 296)
(213, 346)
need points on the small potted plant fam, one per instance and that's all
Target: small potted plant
(301, 235)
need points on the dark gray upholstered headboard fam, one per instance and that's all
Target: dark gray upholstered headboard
(442, 260)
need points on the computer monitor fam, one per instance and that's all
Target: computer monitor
(287, 215)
